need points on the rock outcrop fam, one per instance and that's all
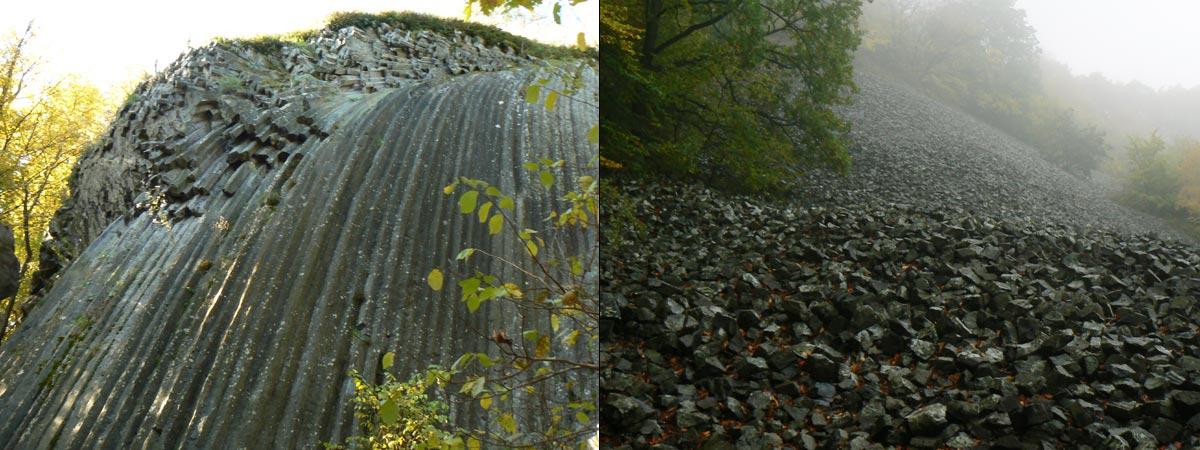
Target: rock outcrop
(9, 266)
(255, 225)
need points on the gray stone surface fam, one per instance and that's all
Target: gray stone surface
(252, 228)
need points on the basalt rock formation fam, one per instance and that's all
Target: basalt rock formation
(258, 223)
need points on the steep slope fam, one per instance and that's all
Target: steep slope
(911, 149)
(258, 224)
(954, 291)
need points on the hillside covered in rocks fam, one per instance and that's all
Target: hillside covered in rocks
(259, 221)
(953, 292)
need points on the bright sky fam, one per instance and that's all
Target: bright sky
(111, 41)
(1156, 42)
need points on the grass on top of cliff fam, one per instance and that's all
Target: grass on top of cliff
(273, 44)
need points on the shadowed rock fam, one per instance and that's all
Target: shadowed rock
(228, 257)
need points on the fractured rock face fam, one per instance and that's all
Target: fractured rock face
(245, 236)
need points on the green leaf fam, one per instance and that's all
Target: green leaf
(466, 203)
(469, 286)
(554, 322)
(506, 202)
(531, 247)
(495, 224)
(485, 401)
(389, 411)
(473, 302)
(546, 161)
(546, 178)
(551, 98)
(594, 134)
(530, 335)
(388, 359)
(465, 253)
(576, 267)
(558, 13)
(507, 423)
(533, 93)
(435, 280)
(483, 212)
(531, 166)
(449, 189)
(493, 191)
(485, 360)
(581, 417)
(472, 443)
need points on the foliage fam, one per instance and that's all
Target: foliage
(44, 126)
(560, 353)
(737, 92)
(1188, 172)
(984, 58)
(274, 44)
(620, 221)
(1150, 182)
(397, 415)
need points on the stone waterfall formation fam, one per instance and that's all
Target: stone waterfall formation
(256, 224)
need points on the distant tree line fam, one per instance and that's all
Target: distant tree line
(735, 92)
(1125, 109)
(981, 56)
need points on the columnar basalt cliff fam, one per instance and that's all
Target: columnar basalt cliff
(258, 222)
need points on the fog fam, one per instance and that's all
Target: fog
(1107, 91)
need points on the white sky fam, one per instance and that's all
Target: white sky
(1156, 42)
(108, 42)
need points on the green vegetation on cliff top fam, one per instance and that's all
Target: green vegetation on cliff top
(273, 44)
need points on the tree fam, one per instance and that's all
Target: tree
(735, 91)
(43, 129)
(1189, 176)
(1149, 181)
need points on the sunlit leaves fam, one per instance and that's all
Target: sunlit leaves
(464, 254)
(495, 224)
(507, 423)
(466, 203)
(546, 179)
(593, 134)
(388, 359)
(435, 279)
(533, 93)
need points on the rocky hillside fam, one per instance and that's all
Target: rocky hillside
(258, 222)
(954, 292)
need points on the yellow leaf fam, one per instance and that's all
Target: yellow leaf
(551, 100)
(533, 93)
(388, 358)
(473, 444)
(485, 402)
(435, 280)
(581, 42)
(495, 224)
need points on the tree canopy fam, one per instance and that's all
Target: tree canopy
(44, 126)
(736, 92)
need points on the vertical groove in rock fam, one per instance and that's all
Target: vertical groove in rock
(230, 290)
